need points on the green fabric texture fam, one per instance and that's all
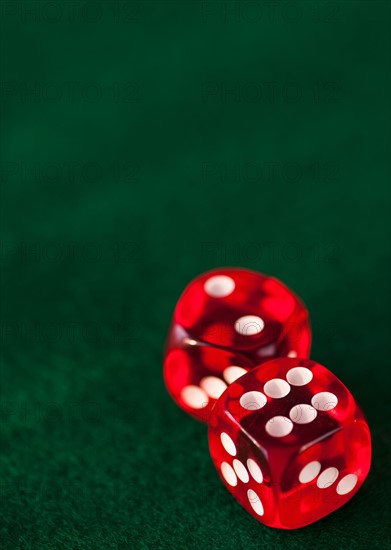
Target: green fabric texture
(142, 144)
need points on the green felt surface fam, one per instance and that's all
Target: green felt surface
(193, 138)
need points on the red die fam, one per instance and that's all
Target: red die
(226, 322)
(290, 442)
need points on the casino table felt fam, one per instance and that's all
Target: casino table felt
(144, 143)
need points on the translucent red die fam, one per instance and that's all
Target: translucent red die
(226, 322)
(290, 442)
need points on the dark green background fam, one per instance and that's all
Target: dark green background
(94, 454)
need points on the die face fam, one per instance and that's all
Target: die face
(246, 311)
(243, 468)
(325, 476)
(306, 430)
(196, 375)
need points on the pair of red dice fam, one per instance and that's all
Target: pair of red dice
(286, 436)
